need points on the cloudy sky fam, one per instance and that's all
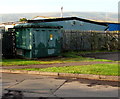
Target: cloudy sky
(33, 6)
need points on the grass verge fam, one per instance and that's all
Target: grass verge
(65, 57)
(97, 69)
(11, 62)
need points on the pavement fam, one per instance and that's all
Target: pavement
(36, 86)
(22, 86)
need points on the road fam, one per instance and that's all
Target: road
(25, 85)
(115, 56)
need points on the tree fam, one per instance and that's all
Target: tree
(22, 19)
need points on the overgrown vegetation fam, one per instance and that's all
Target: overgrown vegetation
(22, 19)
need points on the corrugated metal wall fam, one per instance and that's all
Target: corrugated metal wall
(80, 25)
(86, 40)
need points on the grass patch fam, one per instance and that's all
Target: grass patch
(97, 69)
(97, 51)
(65, 57)
(10, 62)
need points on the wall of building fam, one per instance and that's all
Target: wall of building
(80, 25)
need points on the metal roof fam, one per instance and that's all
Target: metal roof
(65, 19)
(38, 25)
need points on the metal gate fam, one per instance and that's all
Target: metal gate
(8, 44)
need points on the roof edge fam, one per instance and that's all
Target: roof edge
(65, 19)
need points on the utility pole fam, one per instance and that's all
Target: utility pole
(62, 12)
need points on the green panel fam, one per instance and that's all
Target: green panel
(38, 41)
(24, 39)
(43, 44)
(40, 38)
(54, 44)
(27, 53)
(24, 53)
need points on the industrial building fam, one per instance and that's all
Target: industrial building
(75, 23)
(42, 37)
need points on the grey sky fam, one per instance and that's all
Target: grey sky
(33, 6)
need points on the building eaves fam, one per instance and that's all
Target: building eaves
(66, 19)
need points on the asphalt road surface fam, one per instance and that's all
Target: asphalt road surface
(36, 86)
(115, 56)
